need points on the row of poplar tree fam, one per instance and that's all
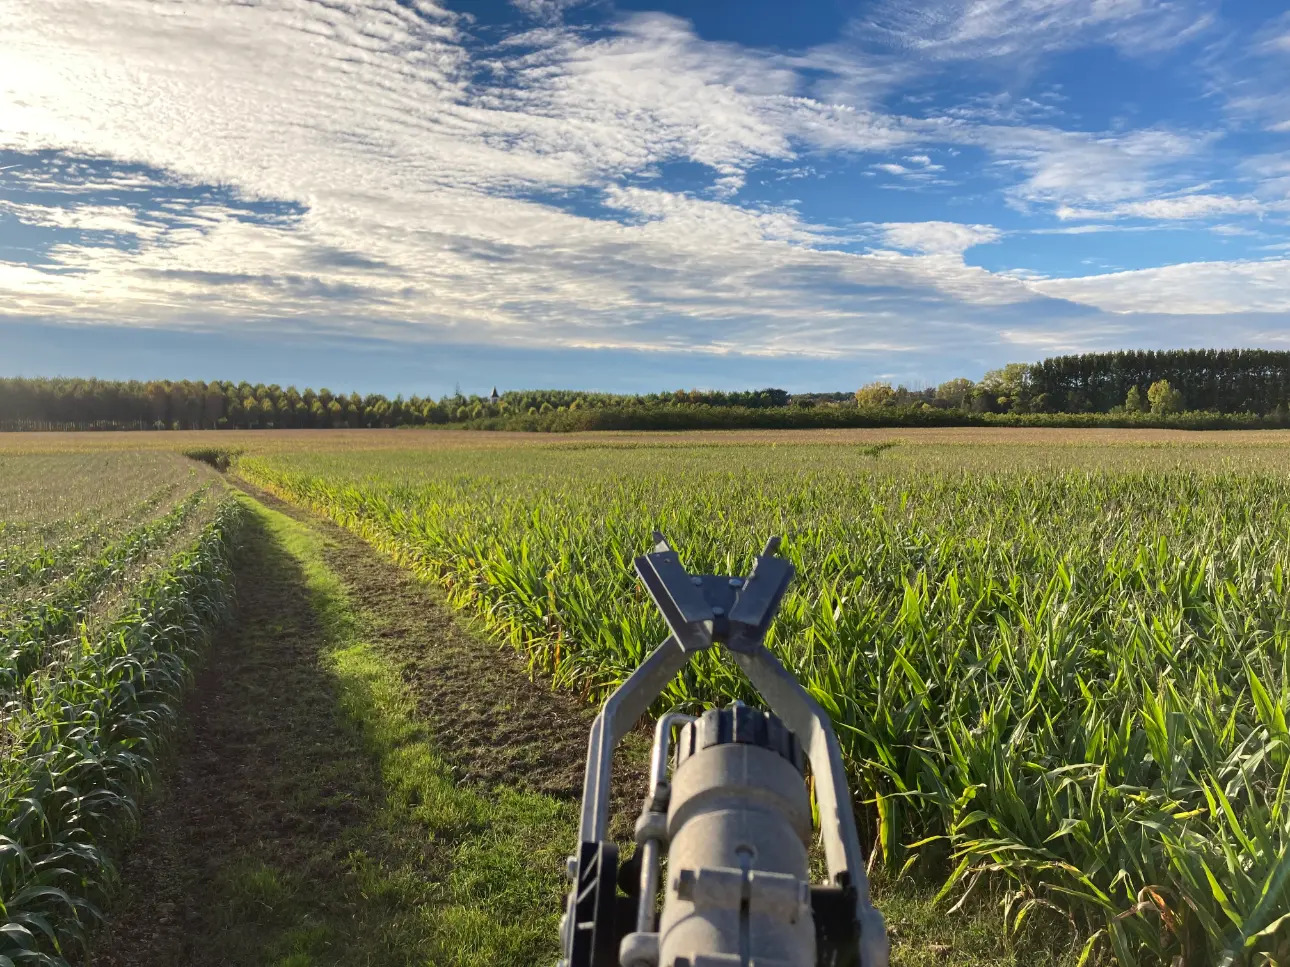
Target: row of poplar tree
(1239, 381)
(90, 404)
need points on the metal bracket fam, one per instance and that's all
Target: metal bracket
(704, 608)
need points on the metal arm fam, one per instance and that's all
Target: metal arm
(702, 610)
(621, 711)
(804, 716)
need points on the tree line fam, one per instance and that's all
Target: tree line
(1200, 388)
(1160, 383)
(1215, 380)
(93, 404)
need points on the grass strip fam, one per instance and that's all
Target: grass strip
(487, 890)
(310, 820)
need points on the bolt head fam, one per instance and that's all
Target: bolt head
(696, 580)
(718, 612)
(736, 582)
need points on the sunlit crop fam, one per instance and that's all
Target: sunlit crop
(114, 569)
(1058, 674)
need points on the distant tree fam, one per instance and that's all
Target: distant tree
(955, 392)
(875, 394)
(1133, 402)
(213, 404)
(1164, 398)
(158, 402)
(983, 401)
(1011, 387)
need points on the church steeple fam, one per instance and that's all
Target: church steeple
(493, 398)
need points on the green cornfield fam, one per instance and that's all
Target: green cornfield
(114, 568)
(1059, 674)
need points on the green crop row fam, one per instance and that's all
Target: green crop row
(28, 637)
(81, 741)
(1062, 676)
(42, 562)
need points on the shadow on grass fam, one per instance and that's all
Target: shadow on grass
(307, 819)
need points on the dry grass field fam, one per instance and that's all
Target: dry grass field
(274, 441)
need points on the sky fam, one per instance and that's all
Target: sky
(413, 195)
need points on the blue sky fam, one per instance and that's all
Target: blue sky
(405, 195)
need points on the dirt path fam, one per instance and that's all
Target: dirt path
(260, 728)
(489, 720)
(249, 844)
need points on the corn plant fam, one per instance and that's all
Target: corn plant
(1060, 673)
(91, 684)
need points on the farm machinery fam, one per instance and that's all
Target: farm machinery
(732, 817)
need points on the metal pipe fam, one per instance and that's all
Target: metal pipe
(620, 712)
(650, 848)
(663, 747)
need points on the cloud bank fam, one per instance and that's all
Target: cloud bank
(406, 172)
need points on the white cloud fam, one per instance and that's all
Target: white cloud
(1272, 172)
(547, 11)
(117, 219)
(1251, 74)
(1170, 209)
(440, 189)
(1077, 230)
(1196, 288)
(938, 238)
(1027, 29)
(1081, 169)
(917, 171)
(379, 127)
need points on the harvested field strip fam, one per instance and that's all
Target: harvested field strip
(42, 561)
(82, 744)
(427, 440)
(50, 494)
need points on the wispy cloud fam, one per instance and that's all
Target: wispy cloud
(1175, 208)
(1025, 29)
(395, 170)
(938, 238)
(1200, 288)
